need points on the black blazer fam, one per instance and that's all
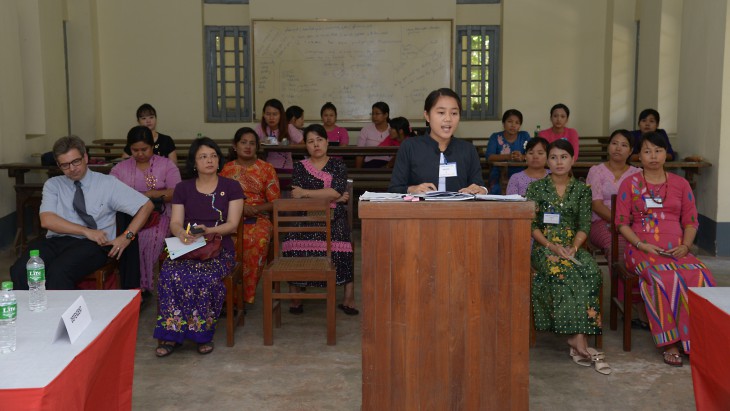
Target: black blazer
(418, 162)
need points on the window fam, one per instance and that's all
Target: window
(228, 84)
(230, 1)
(476, 71)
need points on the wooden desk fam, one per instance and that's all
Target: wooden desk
(446, 299)
(691, 169)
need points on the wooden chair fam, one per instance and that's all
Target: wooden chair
(235, 314)
(533, 331)
(618, 270)
(103, 273)
(298, 216)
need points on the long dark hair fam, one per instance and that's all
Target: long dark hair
(283, 126)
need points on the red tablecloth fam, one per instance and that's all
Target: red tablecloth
(710, 359)
(99, 378)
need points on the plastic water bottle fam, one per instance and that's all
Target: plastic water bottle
(537, 130)
(36, 270)
(8, 313)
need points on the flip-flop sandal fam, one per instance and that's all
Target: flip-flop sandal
(637, 324)
(599, 364)
(167, 348)
(579, 359)
(348, 310)
(675, 360)
(202, 348)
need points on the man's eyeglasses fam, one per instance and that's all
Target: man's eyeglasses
(75, 163)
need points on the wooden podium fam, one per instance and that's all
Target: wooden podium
(446, 300)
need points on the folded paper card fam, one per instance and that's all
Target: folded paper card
(73, 321)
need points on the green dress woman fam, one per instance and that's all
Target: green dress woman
(567, 280)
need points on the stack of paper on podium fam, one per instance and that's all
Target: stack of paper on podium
(176, 248)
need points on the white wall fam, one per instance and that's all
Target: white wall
(12, 104)
(155, 57)
(621, 52)
(704, 101)
(553, 52)
(32, 84)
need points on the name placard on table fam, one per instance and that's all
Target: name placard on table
(73, 322)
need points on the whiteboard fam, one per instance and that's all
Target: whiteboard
(353, 64)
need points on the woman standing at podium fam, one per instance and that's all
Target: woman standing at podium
(438, 161)
(567, 280)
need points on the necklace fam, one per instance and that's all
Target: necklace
(656, 196)
(150, 178)
(620, 171)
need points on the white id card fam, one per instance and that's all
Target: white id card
(650, 203)
(551, 218)
(447, 170)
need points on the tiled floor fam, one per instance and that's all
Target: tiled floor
(300, 372)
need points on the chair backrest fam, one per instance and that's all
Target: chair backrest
(239, 240)
(350, 202)
(614, 232)
(302, 215)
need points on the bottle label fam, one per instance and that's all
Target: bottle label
(37, 275)
(8, 311)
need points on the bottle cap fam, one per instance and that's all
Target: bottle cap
(34, 253)
(7, 285)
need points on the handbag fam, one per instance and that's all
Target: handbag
(211, 249)
(155, 215)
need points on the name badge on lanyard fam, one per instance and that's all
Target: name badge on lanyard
(551, 218)
(652, 203)
(447, 170)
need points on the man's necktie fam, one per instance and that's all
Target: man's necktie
(80, 207)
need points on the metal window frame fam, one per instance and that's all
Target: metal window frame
(215, 74)
(478, 1)
(488, 111)
(229, 1)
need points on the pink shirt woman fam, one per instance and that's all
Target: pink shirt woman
(559, 114)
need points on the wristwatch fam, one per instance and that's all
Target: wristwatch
(129, 235)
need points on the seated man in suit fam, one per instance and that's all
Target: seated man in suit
(79, 211)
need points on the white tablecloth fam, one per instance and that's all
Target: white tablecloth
(36, 362)
(718, 296)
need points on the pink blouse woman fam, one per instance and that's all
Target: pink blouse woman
(656, 213)
(336, 135)
(559, 114)
(155, 177)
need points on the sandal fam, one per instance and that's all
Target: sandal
(205, 348)
(675, 360)
(579, 359)
(163, 350)
(597, 358)
(348, 310)
(637, 324)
